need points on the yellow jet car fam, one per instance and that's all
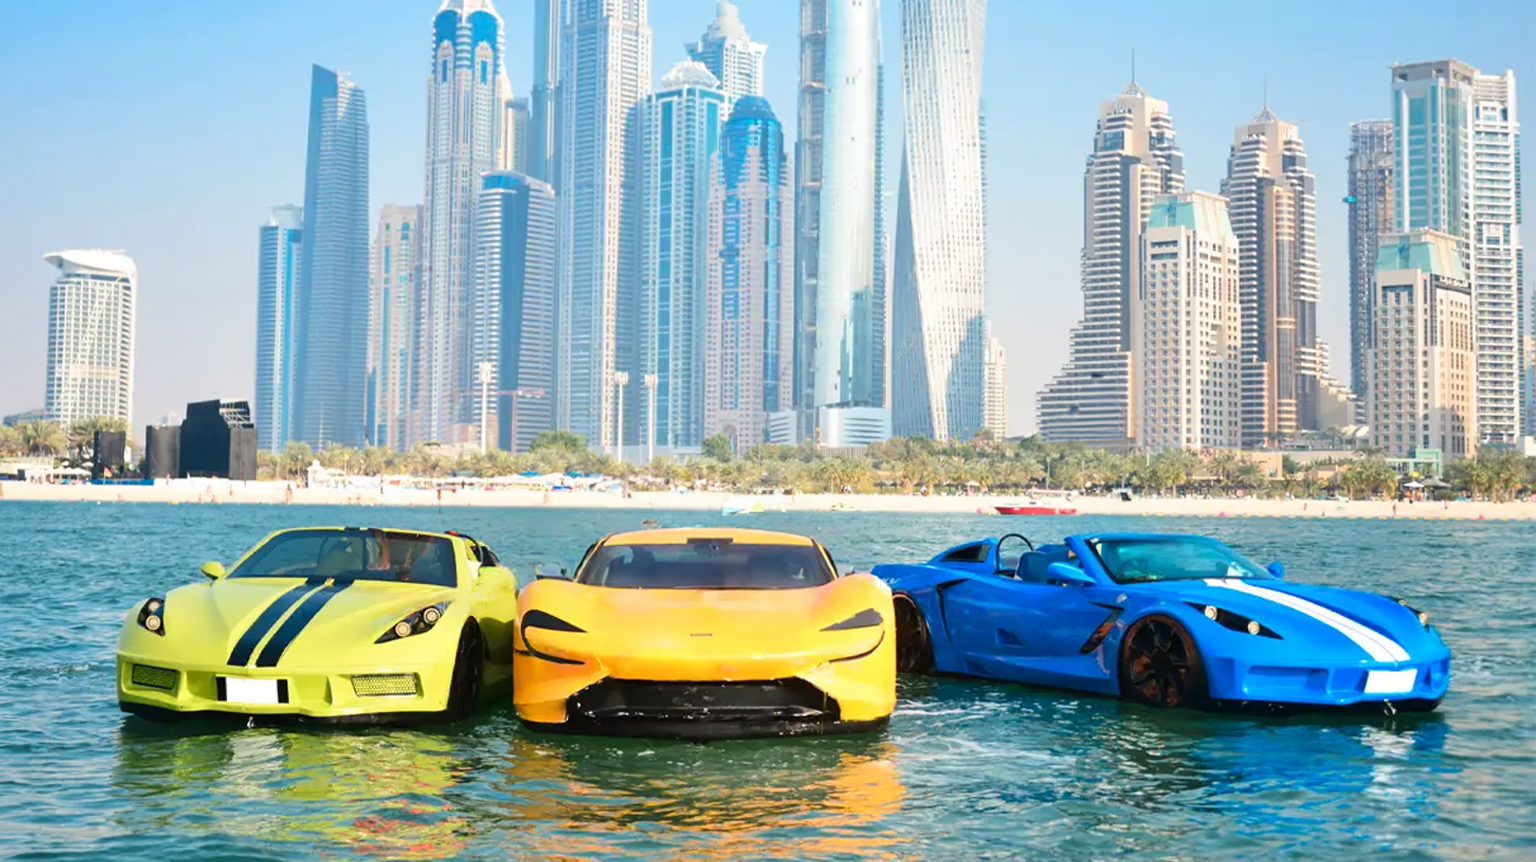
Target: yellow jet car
(334, 624)
(697, 633)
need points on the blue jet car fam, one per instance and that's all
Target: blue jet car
(1167, 620)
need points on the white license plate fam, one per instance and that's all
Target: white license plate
(1389, 681)
(258, 691)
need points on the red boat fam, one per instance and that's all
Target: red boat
(1034, 509)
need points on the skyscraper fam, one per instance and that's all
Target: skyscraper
(749, 345)
(394, 292)
(679, 143)
(995, 409)
(938, 364)
(92, 308)
(1134, 159)
(515, 264)
(729, 53)
(1456, 170)
(331, 304)
(1370, 215)
(544, 100)
(1188, 347)
(279, 259)
(605, 70)
(466, 106)
(1422, 352)
(512, 149)
(840, 249)
(1272, 203)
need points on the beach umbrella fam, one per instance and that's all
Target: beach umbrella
(1414, 485)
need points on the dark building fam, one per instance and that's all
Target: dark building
(218, 439)
(162, 451)
(107, 454)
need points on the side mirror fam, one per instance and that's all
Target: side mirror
(1068, 575)
(1277, 569)
(213, 570)
(549, 571)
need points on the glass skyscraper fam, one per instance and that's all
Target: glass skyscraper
(544, 100)
(679, 142)
(728, 52)
(605, 71)
(750, 318)
(939, 350)
(840, 330)
(330, 323)
(466, 107)
(394, 293)
(277, 275)
(1370, 215)
(515, 264)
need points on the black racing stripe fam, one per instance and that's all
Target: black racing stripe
(264, 623)
(296, 622)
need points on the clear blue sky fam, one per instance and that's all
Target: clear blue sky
(169, 128)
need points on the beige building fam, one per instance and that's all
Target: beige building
(1188, 345)
(995, 401)
(1422, 362)
(393, 314)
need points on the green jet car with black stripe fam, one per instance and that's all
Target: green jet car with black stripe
(332, 624)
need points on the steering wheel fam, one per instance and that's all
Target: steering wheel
(1015, 536)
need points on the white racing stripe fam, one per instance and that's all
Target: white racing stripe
(1377, 645)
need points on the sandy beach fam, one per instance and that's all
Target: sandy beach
(218, 491)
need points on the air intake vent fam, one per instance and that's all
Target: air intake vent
(150, 676)
(384, 684)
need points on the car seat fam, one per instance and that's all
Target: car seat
(1033, 565)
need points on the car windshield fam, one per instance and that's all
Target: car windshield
(705, 564)
(353, 555)
(1172, 559)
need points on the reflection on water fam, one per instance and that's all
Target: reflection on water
(967, 770)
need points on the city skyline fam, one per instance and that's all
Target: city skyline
(1039, 289)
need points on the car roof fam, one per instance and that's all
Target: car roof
(683, 535)
(398, 531)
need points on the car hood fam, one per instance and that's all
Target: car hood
(1364, 624)
(218, 616)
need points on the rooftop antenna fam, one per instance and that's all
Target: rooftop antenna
(1133, 66)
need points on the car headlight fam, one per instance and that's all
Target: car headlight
(152, 616)
(415, 624)
(867, 618)
(1422, 616)
(1236, 622)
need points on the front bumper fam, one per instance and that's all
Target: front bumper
(703, 696)
(1242, 684)
(154, 688)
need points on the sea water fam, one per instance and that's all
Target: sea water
(966, 770)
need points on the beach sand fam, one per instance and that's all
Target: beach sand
(218, 491)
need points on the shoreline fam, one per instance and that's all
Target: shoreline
(221, 491)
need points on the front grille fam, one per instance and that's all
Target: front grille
(150, 676)
(384, 684)
(765, 700)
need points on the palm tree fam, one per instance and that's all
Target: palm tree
(42, 438)
(10, 441)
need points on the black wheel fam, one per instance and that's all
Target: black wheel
(1160, 665)
(468, 673)
(914, 647)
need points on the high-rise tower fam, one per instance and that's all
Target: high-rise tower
(840, 333)
(466, 106)
(1273, 207)
(92, 311)
(679, 142)
(1456, 170)
(729, 53)
(605, 70)
(277, 276)
(330, 322)
(749, 337)
(1134, 159)
(939, 350)
(1370, 215)
(394, 291)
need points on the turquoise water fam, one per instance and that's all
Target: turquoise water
(966, 770)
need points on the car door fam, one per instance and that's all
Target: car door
(1027, 632)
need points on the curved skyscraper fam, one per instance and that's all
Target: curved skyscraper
(939, 355)
(840, 331)
(1134, 159)
(466, 100)
(330, 322)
